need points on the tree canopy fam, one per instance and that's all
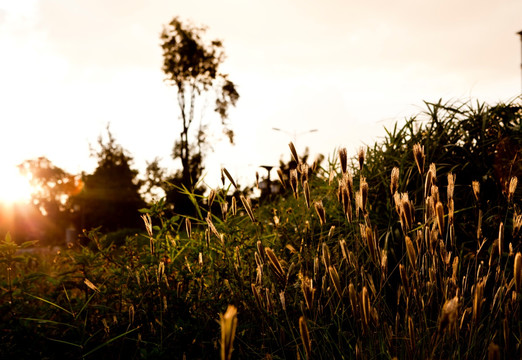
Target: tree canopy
(110, 197)
(191, 66)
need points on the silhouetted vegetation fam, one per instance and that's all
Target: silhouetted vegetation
(110, 197)
(53, 188)
(192, 68)
(386, 256)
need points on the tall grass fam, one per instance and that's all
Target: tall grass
(389, 254)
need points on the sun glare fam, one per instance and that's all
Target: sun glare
(14, 187)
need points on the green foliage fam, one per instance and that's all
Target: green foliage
(476, 142)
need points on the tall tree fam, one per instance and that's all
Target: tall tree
(110, 197)
(192, 67)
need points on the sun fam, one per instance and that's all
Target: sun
(14, 187)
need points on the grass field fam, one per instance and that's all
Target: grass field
(410, 249)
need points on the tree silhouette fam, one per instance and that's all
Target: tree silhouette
(52, 188)
(192, 67)
(110, 197)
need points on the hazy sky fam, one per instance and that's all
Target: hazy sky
(346, 68)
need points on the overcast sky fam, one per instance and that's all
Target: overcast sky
(346, 68)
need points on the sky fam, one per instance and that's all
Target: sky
(344, 68)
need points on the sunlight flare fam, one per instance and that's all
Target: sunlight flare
(14, 187)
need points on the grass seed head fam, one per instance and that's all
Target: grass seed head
(210, 198)
(517, 222)
(90, 285)
(230, 178)
(294, 182)
(308, 290)
(476, 189)
(326, 256)
(334, 276)
(365, 302)
(493, 351)
(261, 249)
(360, 155)
(394, 183)
(512, 188)
(353, 298)
(305, 337)
(281, 178)
(275, 264)
(418, 154)
(478, 296)
(319, 209)
(257, 296)
(517, 271)
(294, 152)
(439, 210)
(500, 239)
(404, 277)
(344, 249)
(188, 227)
(343, 158)
(234, 206)
(228, 323)
(248, 207)
(449, 313)
(363, 187)
(451, 186)
(306, 191)
(412, 256)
